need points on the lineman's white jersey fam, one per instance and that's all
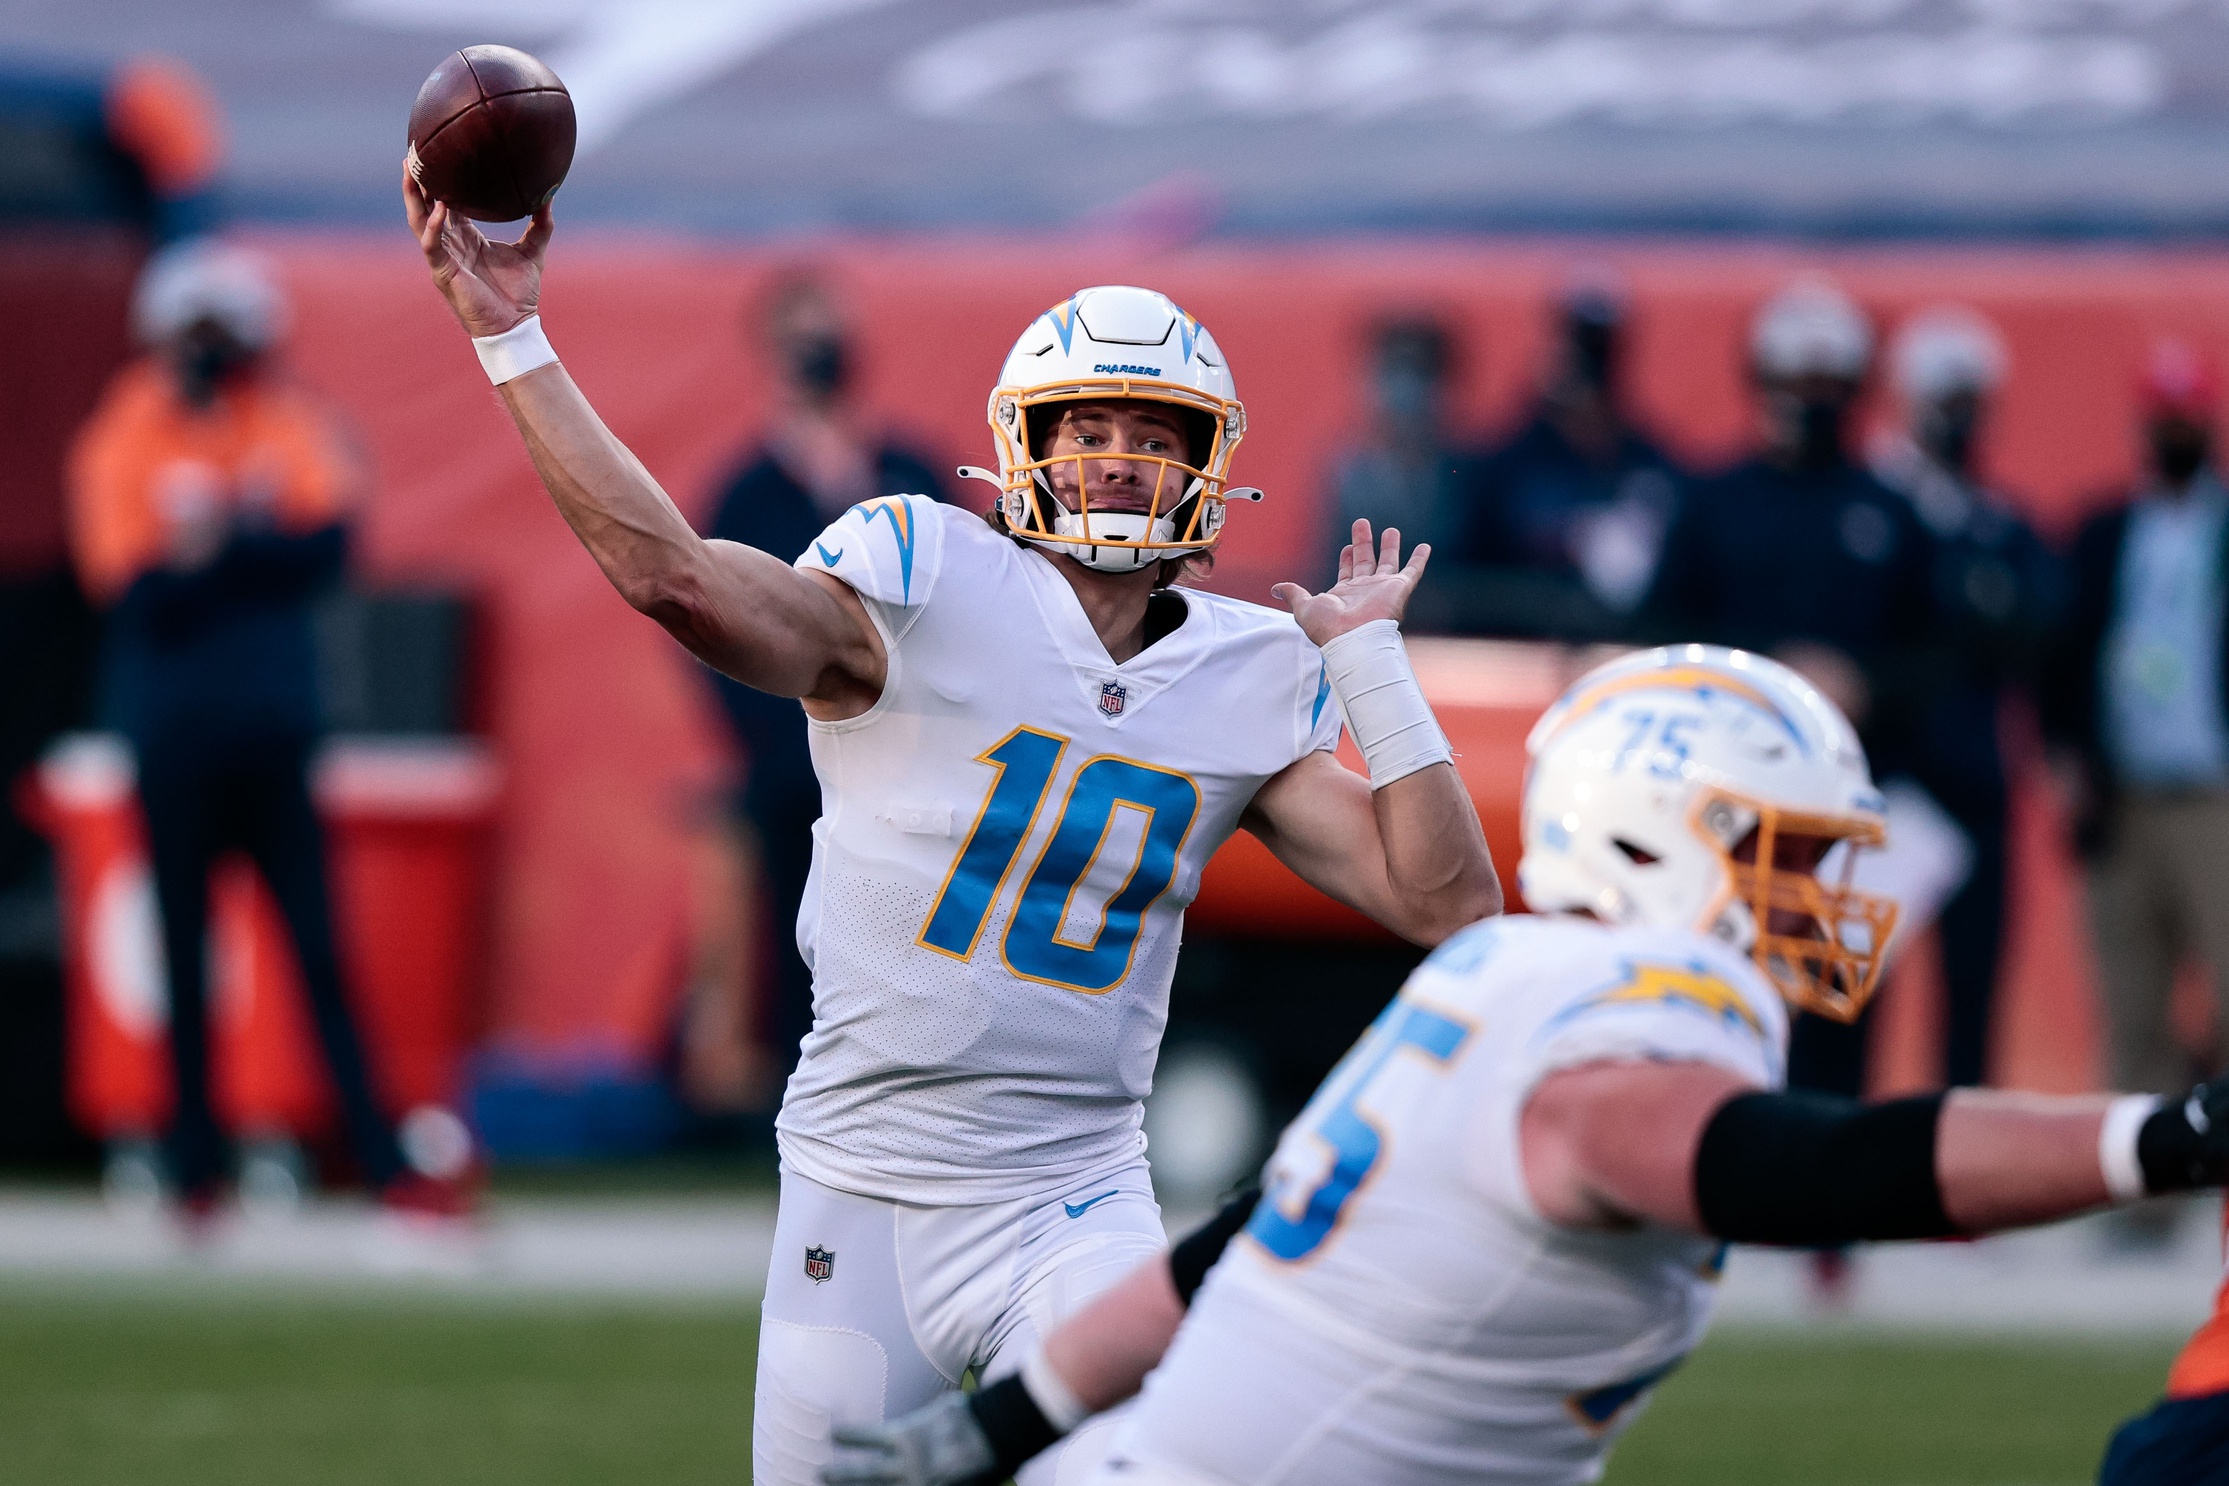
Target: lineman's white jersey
(1008, 840)
(1398, 1311)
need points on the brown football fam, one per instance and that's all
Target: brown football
(491, 134)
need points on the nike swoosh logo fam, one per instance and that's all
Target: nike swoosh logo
(1077, 1210)
(831, 558)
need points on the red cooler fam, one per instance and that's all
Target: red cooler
(406, 823)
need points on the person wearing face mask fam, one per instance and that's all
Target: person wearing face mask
(209, 507)
(1404, 474)
(2137, 701)
(1995, 584)
(1561, 523)
(818, 459)
(1801, 553)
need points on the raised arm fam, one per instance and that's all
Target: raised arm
(743, 612)
(1408, 852)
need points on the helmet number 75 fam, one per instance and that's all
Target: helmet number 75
(1670, 750)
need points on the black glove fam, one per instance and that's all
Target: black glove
(2185, 1142)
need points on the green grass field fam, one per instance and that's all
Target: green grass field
(127, 1385)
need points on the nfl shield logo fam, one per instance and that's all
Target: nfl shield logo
(1112, 694)
(820, 1265)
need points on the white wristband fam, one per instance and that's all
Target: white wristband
(515, 352)
(2116, 1145)
(1052, 1395)
(1384, 707)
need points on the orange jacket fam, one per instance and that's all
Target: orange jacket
(146, 462)
(2203, 1366)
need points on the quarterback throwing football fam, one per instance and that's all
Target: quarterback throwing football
(1029, 745)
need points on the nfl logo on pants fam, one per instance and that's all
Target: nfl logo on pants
(820, 1265)
(1112, 694)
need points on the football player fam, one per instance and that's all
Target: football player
(1499, 1222)
(1029, 744)
(2184, 1439)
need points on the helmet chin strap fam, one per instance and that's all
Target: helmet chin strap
(1122, 527)
(1120, 531)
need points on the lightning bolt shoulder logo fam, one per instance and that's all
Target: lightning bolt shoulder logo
(894, 510)
(1687, 986)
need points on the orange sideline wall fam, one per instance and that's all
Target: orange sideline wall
(607, 734)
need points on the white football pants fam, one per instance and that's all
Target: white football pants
(899, 1301)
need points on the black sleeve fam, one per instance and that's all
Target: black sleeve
(1015, 1428)
(1814, 1170)
(1195, 1254)
(1010, 1419)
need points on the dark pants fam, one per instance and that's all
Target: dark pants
(201, 801)
(1830, 1056)
(2182, 1442)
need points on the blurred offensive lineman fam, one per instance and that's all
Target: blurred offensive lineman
(1029, 746)
(1498, 1223)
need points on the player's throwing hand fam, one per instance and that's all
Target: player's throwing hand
(1372, 585)
(491, 286)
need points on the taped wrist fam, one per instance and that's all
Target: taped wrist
(1813, 1170)
(2120, 1138)
(1195, 1254)
(515, 352)
(1016, 1428)
(1385, 709)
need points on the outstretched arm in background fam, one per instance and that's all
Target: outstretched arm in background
(739, 610)
(1693, 1146)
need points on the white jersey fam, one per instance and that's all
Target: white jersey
(1008, 841)
(1398, 1311)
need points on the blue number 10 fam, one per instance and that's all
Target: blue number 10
(1355, 1142)
(1038, 945)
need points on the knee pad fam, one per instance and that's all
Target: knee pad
(810, 1378)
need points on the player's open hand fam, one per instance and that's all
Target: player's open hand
(492, 286)
(1372, 585)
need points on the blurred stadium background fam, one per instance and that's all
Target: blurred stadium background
(527, 784)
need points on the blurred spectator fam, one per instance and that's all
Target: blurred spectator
(817, 460)
(2136, 692)
(102, 161)
(1403, 475)
(1563, 522)
(1992, 592)
(1802, 554)
(209, 501)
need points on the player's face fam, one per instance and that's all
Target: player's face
(1114, 450)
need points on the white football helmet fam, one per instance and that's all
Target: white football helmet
(1947, 350)
(1810, 328)
(1653, 777)
(1105, 343)
(205, 279)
